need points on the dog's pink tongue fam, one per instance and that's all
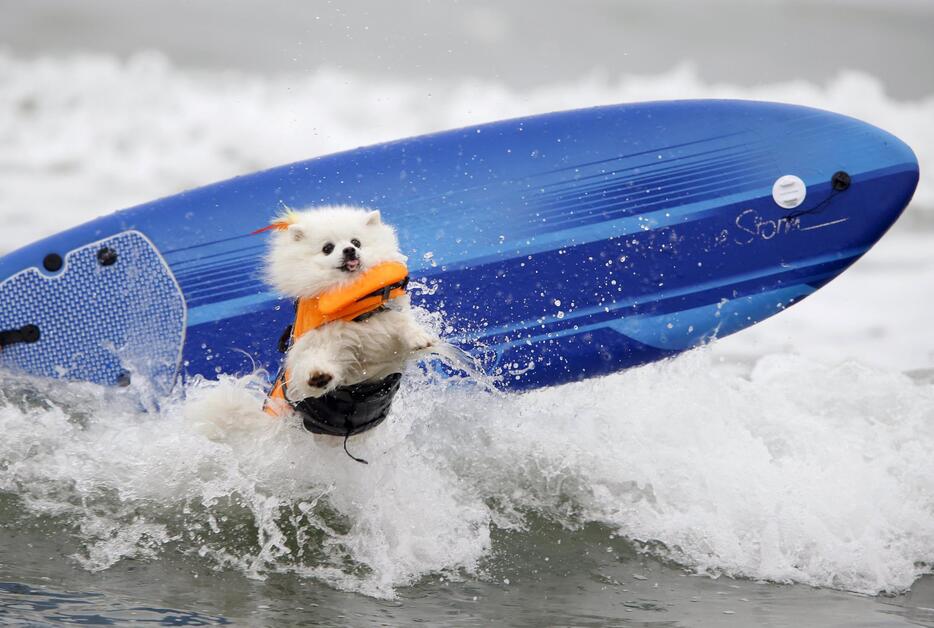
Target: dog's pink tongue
(353, 264)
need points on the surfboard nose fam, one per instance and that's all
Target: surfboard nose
(755, 211)
(902, 175)
(849, 171)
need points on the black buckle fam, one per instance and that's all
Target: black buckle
(285, 339)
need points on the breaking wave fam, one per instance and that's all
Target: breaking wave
(790, 471)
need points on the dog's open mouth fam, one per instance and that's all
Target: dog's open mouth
(350, 265)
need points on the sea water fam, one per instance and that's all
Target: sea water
(783, 475)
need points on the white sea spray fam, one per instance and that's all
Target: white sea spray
(793, 471)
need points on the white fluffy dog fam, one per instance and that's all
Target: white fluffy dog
(324, 248)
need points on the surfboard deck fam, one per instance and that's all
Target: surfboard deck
(556, 247)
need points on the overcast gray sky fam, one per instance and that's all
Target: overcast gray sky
(520, 43)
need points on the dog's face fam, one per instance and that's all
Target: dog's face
(326, 247)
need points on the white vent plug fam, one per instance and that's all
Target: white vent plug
(789, 191)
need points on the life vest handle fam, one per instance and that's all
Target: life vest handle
(385, 293)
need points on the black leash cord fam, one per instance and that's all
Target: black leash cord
(814, 210)
(352, 457)
(839, 182)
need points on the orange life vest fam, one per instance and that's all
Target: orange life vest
(352, 302)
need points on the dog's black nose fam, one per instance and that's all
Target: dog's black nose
(350, 252)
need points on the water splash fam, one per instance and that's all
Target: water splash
(788, 471)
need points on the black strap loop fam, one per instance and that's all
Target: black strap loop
(840, 182)
(26, 334)
(285, 340)
(385, 292)
(367, 315)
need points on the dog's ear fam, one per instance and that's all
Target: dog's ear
(373, 218)
(297, 233)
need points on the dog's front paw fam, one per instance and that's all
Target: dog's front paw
(421, 340)
(319, 379)
(314, 383)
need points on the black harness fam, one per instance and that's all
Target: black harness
(348, 410)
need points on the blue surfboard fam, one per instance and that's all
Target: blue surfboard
(557, 247)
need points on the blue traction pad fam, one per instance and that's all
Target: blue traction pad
(99, 323)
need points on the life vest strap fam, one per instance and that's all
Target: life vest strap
(366, 315)
(385, 293)
(285, 340)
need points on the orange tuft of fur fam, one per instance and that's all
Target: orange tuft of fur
(281, 223)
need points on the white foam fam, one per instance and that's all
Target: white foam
(794, 471)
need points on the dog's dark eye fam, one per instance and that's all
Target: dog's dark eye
(327, 248)
(356, 242)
